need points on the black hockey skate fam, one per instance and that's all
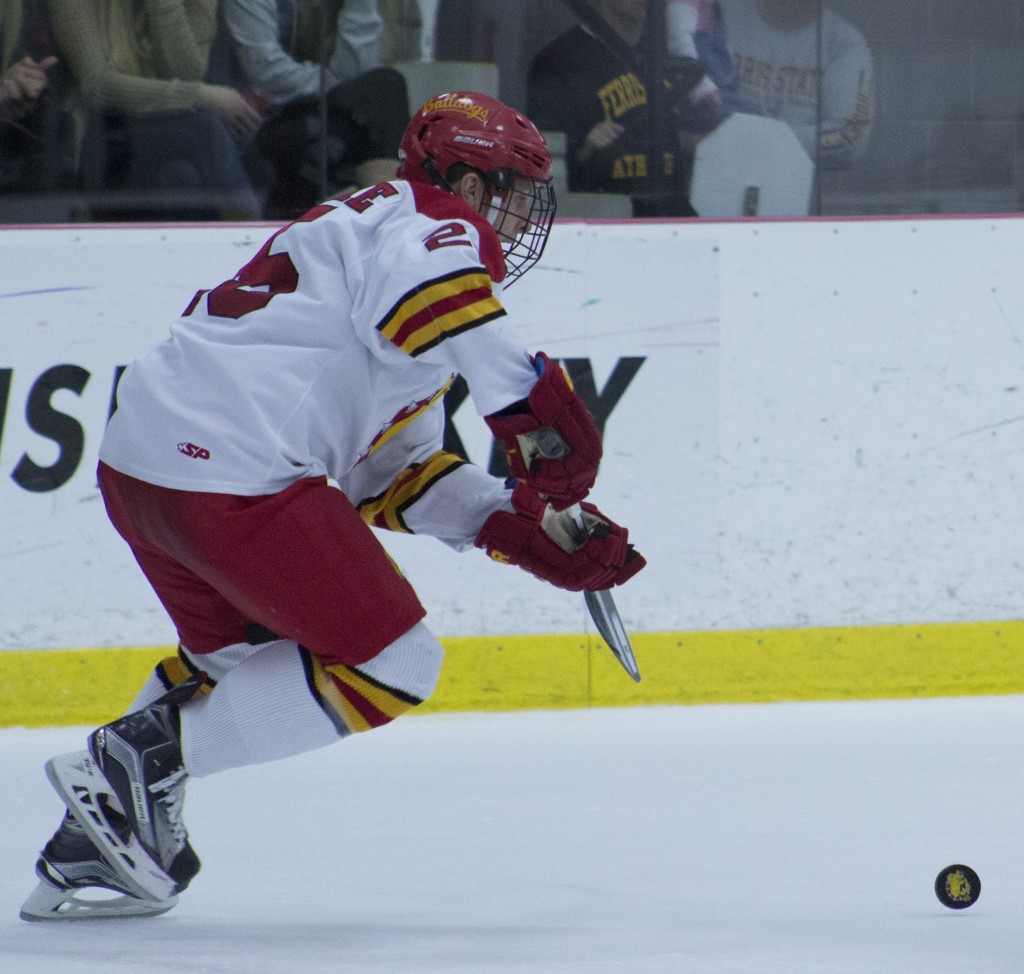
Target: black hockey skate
(71, 864)
(127, 791)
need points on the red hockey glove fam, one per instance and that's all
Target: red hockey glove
(551, 439)
(551, 546)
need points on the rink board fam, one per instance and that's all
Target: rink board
(811, 430)
(64, 687)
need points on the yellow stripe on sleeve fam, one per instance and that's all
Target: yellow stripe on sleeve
(386, 510)
(445, 307)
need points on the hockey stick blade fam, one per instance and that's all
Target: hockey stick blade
(606, 617)
(600, 605)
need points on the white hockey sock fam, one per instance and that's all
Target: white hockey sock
(412, 663)
(261, 710)
(215, 665)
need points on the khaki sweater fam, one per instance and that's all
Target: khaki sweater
(136, 56)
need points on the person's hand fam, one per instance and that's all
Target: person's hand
(688, 142)
(599, 137)
(710, 104)
(590, 556)
(551, 441)
(240, 117)
(22, 84)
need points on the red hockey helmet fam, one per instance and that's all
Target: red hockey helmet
(505, 147)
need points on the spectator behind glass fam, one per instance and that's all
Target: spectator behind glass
(153, 127)
(689, 27)
(403, 32)
(22, 77)
(35, 134)
(694, 30)
(577, 86)
(775, 44)
(277, 45)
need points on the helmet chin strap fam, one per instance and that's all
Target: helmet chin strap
(489, 210)
(491, 206)
(494, 212)
(435, 176)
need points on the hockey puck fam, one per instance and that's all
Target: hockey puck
(957, 886)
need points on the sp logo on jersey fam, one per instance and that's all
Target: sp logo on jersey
(196, 452)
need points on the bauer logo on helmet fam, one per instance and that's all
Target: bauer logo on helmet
(474, 140)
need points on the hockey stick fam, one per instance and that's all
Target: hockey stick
(605, 614)
(609, 623)
(600, 605)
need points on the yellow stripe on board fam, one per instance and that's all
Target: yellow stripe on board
(91, 686)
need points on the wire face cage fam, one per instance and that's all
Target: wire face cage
(522, 211)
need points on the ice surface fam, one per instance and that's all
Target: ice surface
(714, 840)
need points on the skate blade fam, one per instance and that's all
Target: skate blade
(47, 904)
(78, 780)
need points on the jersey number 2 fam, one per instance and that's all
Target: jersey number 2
(450, 235)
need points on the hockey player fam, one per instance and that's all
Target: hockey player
(324, 359)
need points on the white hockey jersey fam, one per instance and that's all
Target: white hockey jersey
(328, 355)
